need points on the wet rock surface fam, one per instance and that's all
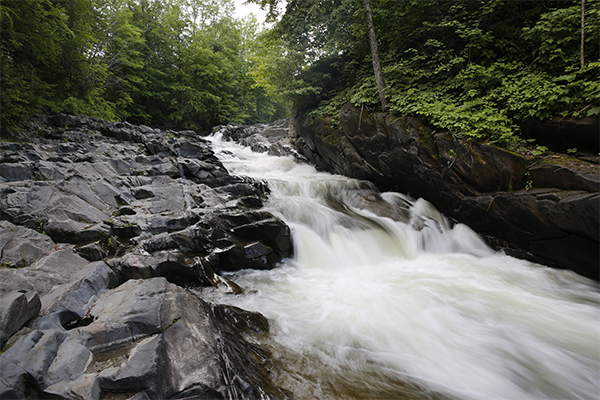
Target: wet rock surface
(273, 139)
(545, 209)
(103, 227)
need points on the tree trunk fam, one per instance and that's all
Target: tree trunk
(582, 31)
(375, 55)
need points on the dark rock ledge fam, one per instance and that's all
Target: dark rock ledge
(103, 227)
(546, 209)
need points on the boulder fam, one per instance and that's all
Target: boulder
(21, 247)
(137, 342)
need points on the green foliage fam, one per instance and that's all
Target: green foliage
(32, 35)
(539, 150)
(475, 68)
(172, 63)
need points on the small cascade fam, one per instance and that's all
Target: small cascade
(386, 298)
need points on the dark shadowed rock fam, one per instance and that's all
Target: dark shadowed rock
(87, 212)
(565, 173)
(484, 186)
(562, 134)
(172, 264)
(92, 252)
(138, 341)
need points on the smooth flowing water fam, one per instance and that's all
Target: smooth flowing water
(410, 307)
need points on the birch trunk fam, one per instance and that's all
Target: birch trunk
(582, 31)
(375, 55)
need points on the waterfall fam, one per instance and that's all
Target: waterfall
(386, 299)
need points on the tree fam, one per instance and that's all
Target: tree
(582, 32)
(476, 68)
(114, 57)
(313, 39)
(375, 55)
(172, 63)
(32, 37)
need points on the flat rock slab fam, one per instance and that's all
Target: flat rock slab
(21, 246)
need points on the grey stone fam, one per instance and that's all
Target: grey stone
(73, 299)
(159, 204)
(86, 387)
(92, 252)
(15, 172)
(20, 246)
(26, 362)
(16, 308)
(70, 362)
(142, 370)
(172, 264)
(140, 396)
(57, 268)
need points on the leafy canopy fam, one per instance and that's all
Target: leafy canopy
(172, 63)
(476, 68)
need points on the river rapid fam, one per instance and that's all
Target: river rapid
(409, 306)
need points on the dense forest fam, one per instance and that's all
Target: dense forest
(170, 63)
(475, 68)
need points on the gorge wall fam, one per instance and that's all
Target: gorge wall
(545, 208)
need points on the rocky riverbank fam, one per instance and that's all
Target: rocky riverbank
(103, 227)
(543, 208)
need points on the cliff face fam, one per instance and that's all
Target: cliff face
(546, 209)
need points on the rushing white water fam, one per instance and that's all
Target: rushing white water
(370, 307)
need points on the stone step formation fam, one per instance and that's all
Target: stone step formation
(104, 227)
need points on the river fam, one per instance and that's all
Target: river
(410, 305)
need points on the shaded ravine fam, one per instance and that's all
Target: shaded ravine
(385, 298)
